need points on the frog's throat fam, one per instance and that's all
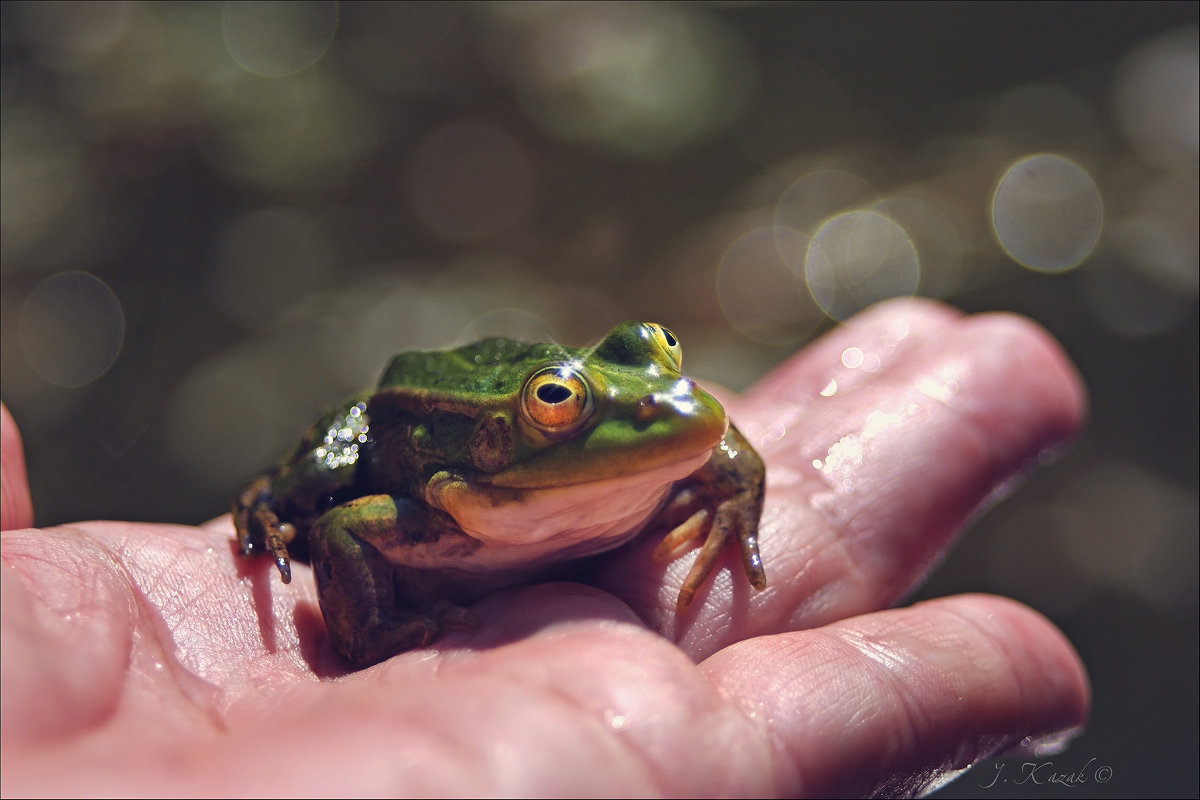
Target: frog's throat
(559, 521)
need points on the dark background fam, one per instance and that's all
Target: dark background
(220, 218)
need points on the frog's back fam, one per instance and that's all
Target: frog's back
(490, 367)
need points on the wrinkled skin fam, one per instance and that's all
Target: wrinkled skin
(143, 659)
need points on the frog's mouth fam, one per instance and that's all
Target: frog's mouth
(647, 463)
(558, 521)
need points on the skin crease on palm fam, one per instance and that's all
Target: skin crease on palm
(149, 659)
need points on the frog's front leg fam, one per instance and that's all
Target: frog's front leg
(726, 497)
(258, 525)
(356, 583)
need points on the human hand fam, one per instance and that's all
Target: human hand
(147, 659)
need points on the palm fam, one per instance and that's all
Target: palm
(150, 659)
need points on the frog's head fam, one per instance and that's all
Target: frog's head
(617, 409)
(579, 454)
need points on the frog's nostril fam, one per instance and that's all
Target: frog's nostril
(646, 408)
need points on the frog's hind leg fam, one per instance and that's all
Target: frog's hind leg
(356, 583)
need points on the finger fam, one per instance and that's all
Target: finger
(16, 508)
(896, 702)
(880, 478)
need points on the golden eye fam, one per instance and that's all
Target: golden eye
(556, 400)
(668, 341)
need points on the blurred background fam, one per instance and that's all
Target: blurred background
(220, 218)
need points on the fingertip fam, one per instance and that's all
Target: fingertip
(1033, 639)
(1051, 379)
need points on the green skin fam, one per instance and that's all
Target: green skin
(480, 467)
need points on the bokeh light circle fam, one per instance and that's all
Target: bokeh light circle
(639, 78)
(937, 234)
(40, 163)
(274, 38)
(71, 328)
(817, 195)
(858, 258)
(1156, 98)
(74, 34)
(1047, 212)
(215, 425)
(757, 288)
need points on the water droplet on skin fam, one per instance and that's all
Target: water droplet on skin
(898, 329)
(616, 721)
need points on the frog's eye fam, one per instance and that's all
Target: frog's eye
(667, 340)
(556, 400)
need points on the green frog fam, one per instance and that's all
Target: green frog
(479, 467)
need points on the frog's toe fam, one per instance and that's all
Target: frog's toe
(681, 535)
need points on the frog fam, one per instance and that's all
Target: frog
(481, 467)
